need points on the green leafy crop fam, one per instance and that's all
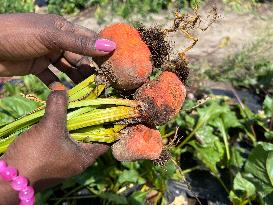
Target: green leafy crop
(12, 6)
(214, 136)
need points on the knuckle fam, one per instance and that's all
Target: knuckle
(82, 43)
(61, 23)
(82, 61)
(50, 38)
(57, 97)
(55, 17)
(64, 25)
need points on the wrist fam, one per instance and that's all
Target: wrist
(25, 168)
(7, 195)
(19, 186)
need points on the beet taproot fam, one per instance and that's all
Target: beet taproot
(138, 142)
(162, 98)
(129, 66)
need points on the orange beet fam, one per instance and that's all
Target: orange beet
(129, 66)
(138, 142)
(162, 98)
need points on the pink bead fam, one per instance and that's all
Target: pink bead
(28, 201)
(19, 183)
(26, 193)
(3, 165)
(9, 173)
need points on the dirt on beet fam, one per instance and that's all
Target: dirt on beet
(129, 66)
(155, 39)
(161, 51)
(138, 142)
(163, 98)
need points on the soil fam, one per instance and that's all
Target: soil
(230, 34)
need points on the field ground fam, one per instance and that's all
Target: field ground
(230, 34)
(223, 148)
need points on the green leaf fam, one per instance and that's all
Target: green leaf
(237, 157)
(269, 135)
(5, 118)
(230, 119)
(206, 114)
(259, 170)
(35, 86)
(269, 167)
(244, 185)
(268, 199)
(42, 198)
(268, 106)
(69, 183)
(211, 112)
(167, 171)
(131, 165)
(131, 176)
(205, 135)
(17, 106)
(242, 190)
(137, 198)
(209, 155)
(114, 198)
(234, 198)
(11, 89)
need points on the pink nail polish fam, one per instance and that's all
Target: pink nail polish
(105, 45)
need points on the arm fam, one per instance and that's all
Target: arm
(46, 154)
(30, 42)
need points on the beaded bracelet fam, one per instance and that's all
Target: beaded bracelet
(18, 183)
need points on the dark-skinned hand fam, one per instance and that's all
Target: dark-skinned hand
(46, 154)
(30, 42)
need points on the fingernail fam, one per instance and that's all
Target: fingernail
(105, 45)
(57, 86)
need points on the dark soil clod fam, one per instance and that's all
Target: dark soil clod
(179, 67)
(160, 48)
(164, 157)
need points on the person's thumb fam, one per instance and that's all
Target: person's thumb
(91, 151)
(56, 105)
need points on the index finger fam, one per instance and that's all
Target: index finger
(80, 40)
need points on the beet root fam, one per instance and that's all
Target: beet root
(129, 66)
(162, 98)
(138, 142)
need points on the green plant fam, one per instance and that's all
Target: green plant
(132, 10)
(125, 9)
(82, 99)
(224, 138)
(250, 68)
(93, 119)
(12, 6)
(126, 174)
(68, 6)
(243, 6)
(122, 8)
